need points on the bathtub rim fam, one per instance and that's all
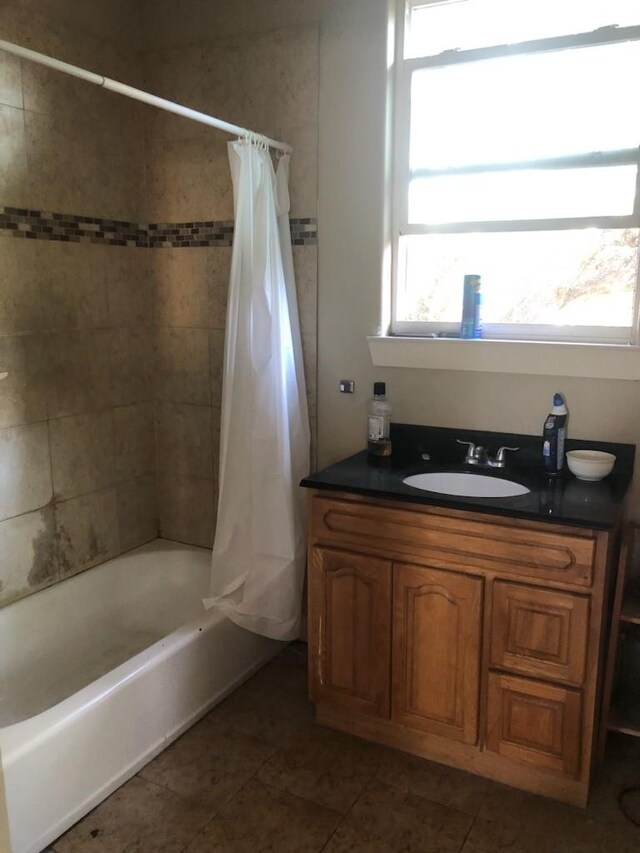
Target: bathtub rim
(120, 778)
(22, 735)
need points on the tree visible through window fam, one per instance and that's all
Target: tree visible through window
(519, 162)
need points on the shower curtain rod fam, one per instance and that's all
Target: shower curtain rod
(138, 94)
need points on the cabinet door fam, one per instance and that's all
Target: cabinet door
(534, 722)
(539, 632)
(350, 631)
(436, 651)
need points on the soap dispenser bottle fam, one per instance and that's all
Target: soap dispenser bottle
(379, 422)
(554, 434)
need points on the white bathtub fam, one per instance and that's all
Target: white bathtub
(99, 673)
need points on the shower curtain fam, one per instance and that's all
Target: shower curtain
(259, 550)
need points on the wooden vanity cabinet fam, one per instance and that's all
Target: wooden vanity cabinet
(469, 639)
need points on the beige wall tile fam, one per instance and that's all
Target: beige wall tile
(183, 366)
(50, 92)
(132, 365)
(134, 440)
(305, 263)
(181, 178)
(59, 164)
(73, 163)
(303, 171)
(310, 356)
(280, 77)
(184, 439)
(13, 159)
(137, 511)
(25, 469)
(216, 350)
(129, 300)
(10, 80)
(186, 509)
(218, 275)
(73, 292)
(181, 291)
(176, 74)
(82, 453)
(79, 371)
(23, 397)
(223, 80)
(221, 184)
(20, 309)
(87, 530)
(28, 559)
(215, 441)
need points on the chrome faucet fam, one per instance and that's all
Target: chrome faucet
(478, 455)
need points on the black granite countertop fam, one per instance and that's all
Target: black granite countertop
(562, 499)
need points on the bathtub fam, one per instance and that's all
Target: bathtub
(99, 673)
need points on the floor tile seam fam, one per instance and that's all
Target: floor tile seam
(185, 799)
(468, 833)
(347, 814)
(482, 801)
(303, 799)
(407, 790)
(204, 828)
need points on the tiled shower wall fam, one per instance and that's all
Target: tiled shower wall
(109, 417)
(77, 481)
(268, 82)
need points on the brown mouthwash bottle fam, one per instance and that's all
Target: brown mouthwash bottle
(379, 422)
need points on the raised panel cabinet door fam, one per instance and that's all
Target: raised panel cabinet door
(350, 631)
(535, 723)
(436, 651)
(539, 632)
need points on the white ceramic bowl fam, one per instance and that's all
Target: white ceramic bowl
(590, 465)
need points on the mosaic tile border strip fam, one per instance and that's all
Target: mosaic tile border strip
(72, 228)
(184, 234)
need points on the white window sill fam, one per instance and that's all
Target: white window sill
(543, 358)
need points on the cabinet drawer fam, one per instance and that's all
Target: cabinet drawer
(539, 632)
(535, 723)
(453, 542)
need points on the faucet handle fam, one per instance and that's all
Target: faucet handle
(500, 454)
(471, 448)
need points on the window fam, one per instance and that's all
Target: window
(517, 158)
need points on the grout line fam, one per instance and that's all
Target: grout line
(466, 838)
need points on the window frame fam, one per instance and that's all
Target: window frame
(401, 227)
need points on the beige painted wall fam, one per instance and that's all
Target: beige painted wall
(352, 198)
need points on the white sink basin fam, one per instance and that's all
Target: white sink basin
(466, 485)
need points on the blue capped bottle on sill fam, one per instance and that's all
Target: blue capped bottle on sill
(471, 326)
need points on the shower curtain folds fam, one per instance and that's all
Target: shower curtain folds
(259, 550)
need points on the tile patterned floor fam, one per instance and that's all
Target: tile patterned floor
(258, 776)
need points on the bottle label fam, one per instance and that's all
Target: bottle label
(375, 427)
(561, 437)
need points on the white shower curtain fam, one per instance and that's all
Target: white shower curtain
(259, 550)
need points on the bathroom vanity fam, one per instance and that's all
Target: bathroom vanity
(470, 631)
